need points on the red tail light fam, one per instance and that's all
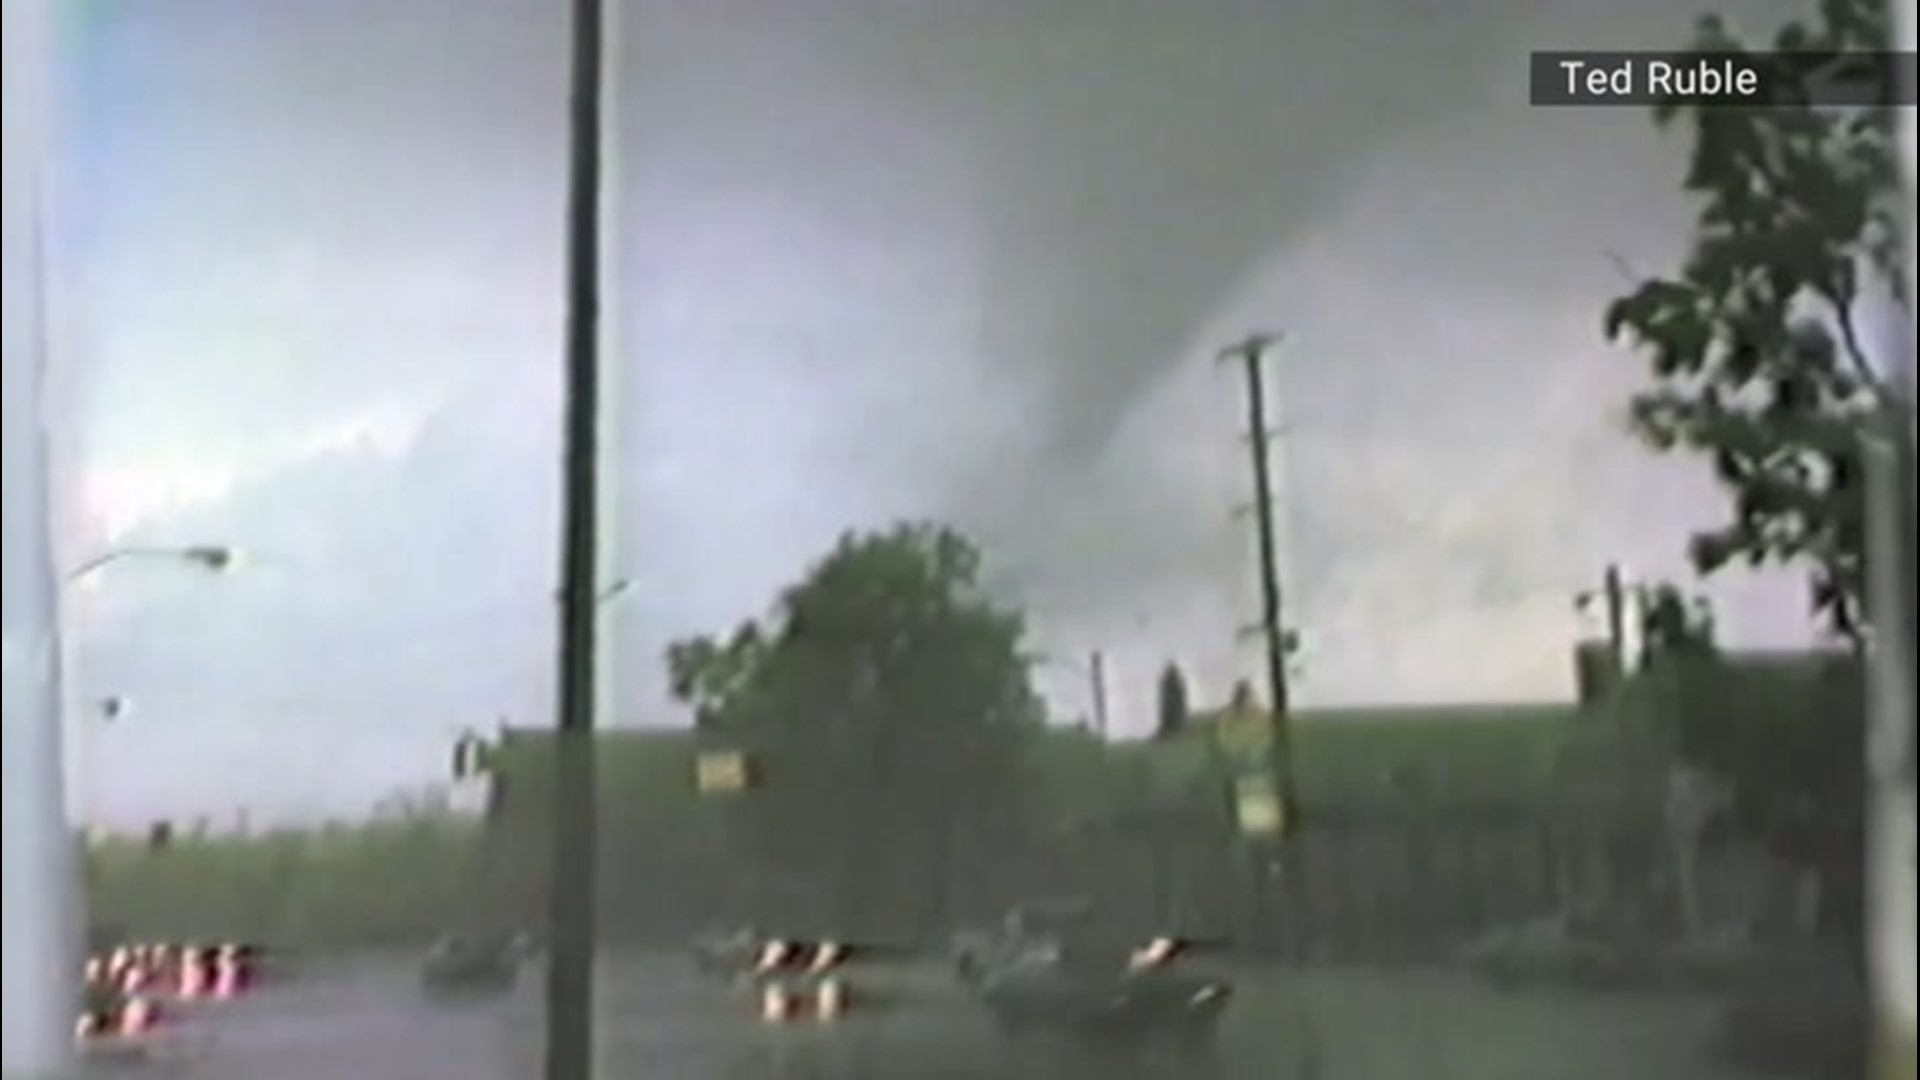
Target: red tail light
(185, 971)
(136, 1017)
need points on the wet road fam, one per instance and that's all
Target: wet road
(658, 1020)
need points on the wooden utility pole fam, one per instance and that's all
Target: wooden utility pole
(1251, 353)
(571, 906)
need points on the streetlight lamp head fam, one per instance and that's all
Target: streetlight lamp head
(211, 557)
(214, 557)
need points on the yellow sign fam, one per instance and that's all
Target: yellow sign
(720, 772)
(1258, 807)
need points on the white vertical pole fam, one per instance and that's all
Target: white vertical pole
(1891, 805)
(1904, 39)
(39, 956)
(611, 448)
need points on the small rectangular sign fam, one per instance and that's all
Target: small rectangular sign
(1857, 79)
(721, 772)
(1258, 807)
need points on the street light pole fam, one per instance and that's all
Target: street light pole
(571, 907)
(211, 557)
(40, 921)
(76, 706)
(1891, 798)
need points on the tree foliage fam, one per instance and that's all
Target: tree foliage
(886, 701)
(1673, 623)
(1786, 730)
(1173, 705)
(1757, 358)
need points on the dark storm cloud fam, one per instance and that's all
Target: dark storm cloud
(945, 259)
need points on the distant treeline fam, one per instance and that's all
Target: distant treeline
(386, 882)
(1411, 789)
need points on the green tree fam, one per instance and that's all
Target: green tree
(1757, 358)
(1759, 364)
(886, 703)
(1673, 623)
(1788, 731)
(710, 674)
(1172, 719)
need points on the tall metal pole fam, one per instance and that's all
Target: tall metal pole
(1891, 801)
(40, 907)
(571, 909)
(1252, 353)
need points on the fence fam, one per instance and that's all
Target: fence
(1363, 883)
(1387, 884)
(1372, 883)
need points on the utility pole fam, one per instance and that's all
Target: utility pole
(1251, 353)
(1613, 590)
(1097, 675)
(1620, 653)
(571, 906)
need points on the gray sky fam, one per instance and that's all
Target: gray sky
(869, 259)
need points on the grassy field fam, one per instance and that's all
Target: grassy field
(379, 883)
(398, 880)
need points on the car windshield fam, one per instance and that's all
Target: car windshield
(938, 539)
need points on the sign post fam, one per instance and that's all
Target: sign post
(1245, 736)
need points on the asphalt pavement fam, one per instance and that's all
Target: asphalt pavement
(368, 1020)
(659, 1020)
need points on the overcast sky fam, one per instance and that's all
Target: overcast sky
(869, 259)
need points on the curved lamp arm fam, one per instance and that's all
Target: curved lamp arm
(213, 558)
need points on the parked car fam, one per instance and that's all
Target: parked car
(464, 965)
(1042, 972)
(801, 977)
